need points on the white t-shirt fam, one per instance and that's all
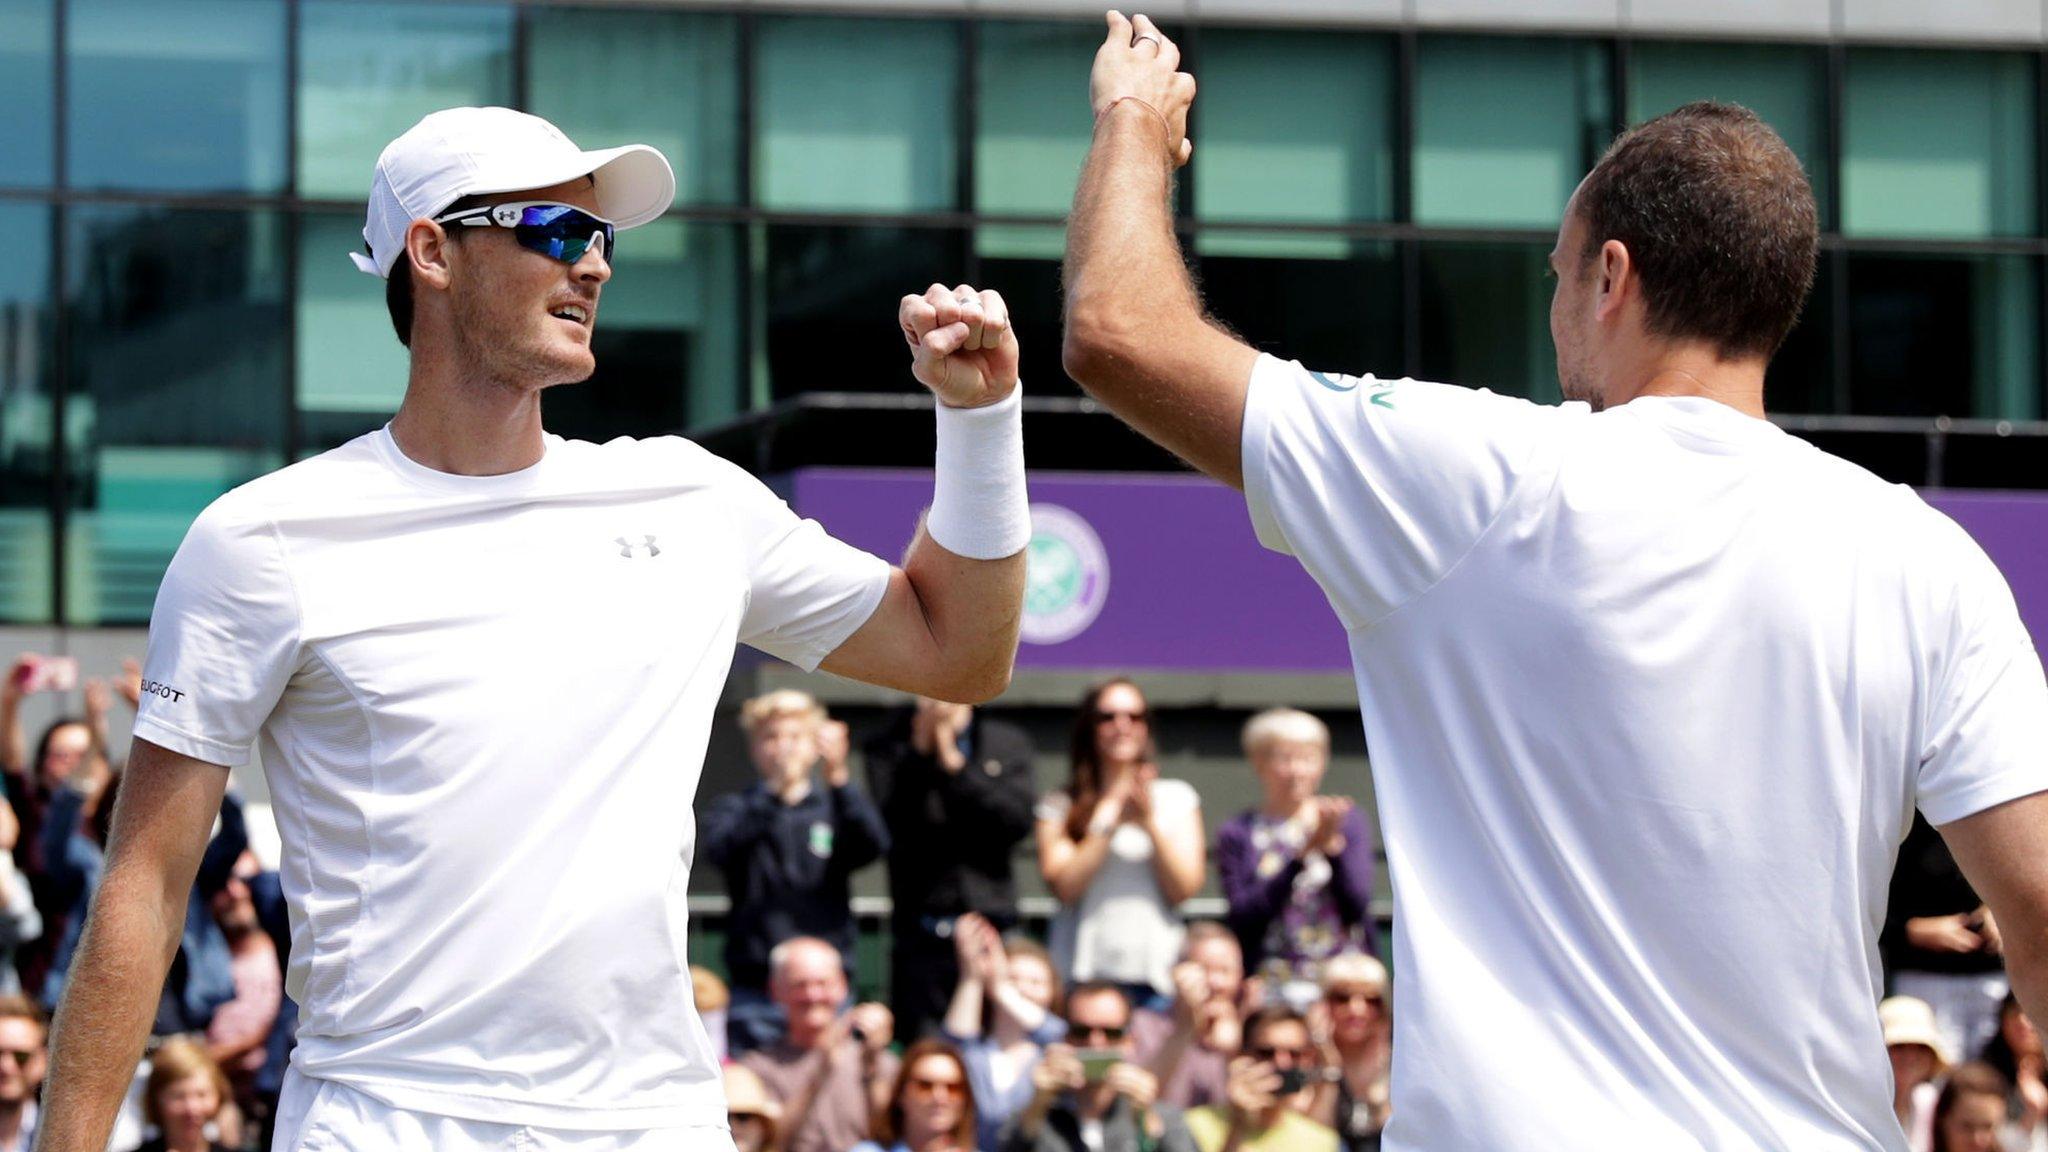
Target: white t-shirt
(483, 704)
(1123, 929)
(1651, 695)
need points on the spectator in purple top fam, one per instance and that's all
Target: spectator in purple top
(1297, 870)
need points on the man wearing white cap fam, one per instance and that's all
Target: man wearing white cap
(482, 662)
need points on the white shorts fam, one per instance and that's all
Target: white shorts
(328, 1116)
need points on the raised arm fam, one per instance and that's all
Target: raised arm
(947, 624)
(165, 809)
(1136, 335)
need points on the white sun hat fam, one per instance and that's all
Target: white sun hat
(461, 152)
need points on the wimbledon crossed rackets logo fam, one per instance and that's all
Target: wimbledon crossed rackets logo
(1380, 395)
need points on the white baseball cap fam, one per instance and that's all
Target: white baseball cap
(461, 152)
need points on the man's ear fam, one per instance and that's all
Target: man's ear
(428, 245)
(1617, 280)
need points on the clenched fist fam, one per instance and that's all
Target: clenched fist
(961, 344)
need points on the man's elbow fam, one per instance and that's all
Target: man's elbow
(1095, 340)
(979, 684)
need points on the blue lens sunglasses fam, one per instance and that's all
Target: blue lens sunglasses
(560, 231)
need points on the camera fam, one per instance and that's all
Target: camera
(1293, 1080)
(1096, 1062)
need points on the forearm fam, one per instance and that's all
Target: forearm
(973, 609)
(1014, 1004)
(963, 1013)
(1177, 862)
(1124, 268)
(1136, 336)
(13, 748)
(1073, 867)
(109, 1002)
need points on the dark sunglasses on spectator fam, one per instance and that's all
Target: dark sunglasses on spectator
(1103, 717)
(924, 1087)
(1345, 996)
(559, 231)
(748, 1117)
(1081, 1034)
(22, 1056)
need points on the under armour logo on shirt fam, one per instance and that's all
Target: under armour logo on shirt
(627, 548)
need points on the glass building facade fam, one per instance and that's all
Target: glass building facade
(182, 180)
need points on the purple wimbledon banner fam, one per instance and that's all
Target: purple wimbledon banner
(1163, 572)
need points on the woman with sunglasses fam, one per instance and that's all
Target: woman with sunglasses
(931, 1108)
(1352, 1026)
(1121, 848)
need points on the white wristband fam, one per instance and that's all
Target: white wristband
(979, 506)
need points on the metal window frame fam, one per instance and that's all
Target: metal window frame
(748, 220)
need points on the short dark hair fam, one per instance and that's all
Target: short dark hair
(398, 294)
(1267, 1017)
(1097, 988)
(1719, 222)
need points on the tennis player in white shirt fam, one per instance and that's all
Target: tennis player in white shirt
(482, 662)
(1652, 688)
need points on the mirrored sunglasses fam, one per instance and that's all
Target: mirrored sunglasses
(559, 231)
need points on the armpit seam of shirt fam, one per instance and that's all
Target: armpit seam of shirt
(1508, 502)
(364, 886)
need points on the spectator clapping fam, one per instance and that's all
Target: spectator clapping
(1120, 847)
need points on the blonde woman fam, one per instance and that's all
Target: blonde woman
(185, 1093)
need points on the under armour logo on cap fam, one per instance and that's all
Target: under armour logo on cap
(627, 548)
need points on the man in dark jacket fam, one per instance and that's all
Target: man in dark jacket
(787, 849)
(956, 789)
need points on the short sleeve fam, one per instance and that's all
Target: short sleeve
(223, 638)
(1378, 487)
(1986, 733)
(807, 592)
(1053, 807)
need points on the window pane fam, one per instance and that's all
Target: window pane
(27, 132)
(668, 79)
(856, 115)
(1034, 129)
(183, 95)
(1944, 336)
(1785, 85)
(368, 72)
(1023, 263)
(1486, 318)
(1504, 129)
(1295, 126)
(1938, 144)
(349, 359)
(1329, 302)
(830, 303)
(25, 416)
(177, 383)
(668, 337)
(1801, 378)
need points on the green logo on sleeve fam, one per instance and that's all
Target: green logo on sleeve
(1381, 394)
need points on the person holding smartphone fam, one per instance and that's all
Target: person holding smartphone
(1271, 1087)
(1090, 1094)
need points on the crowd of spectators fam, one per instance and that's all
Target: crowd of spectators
(1127, 1028)
(223, 1026)
(1967, 1065)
